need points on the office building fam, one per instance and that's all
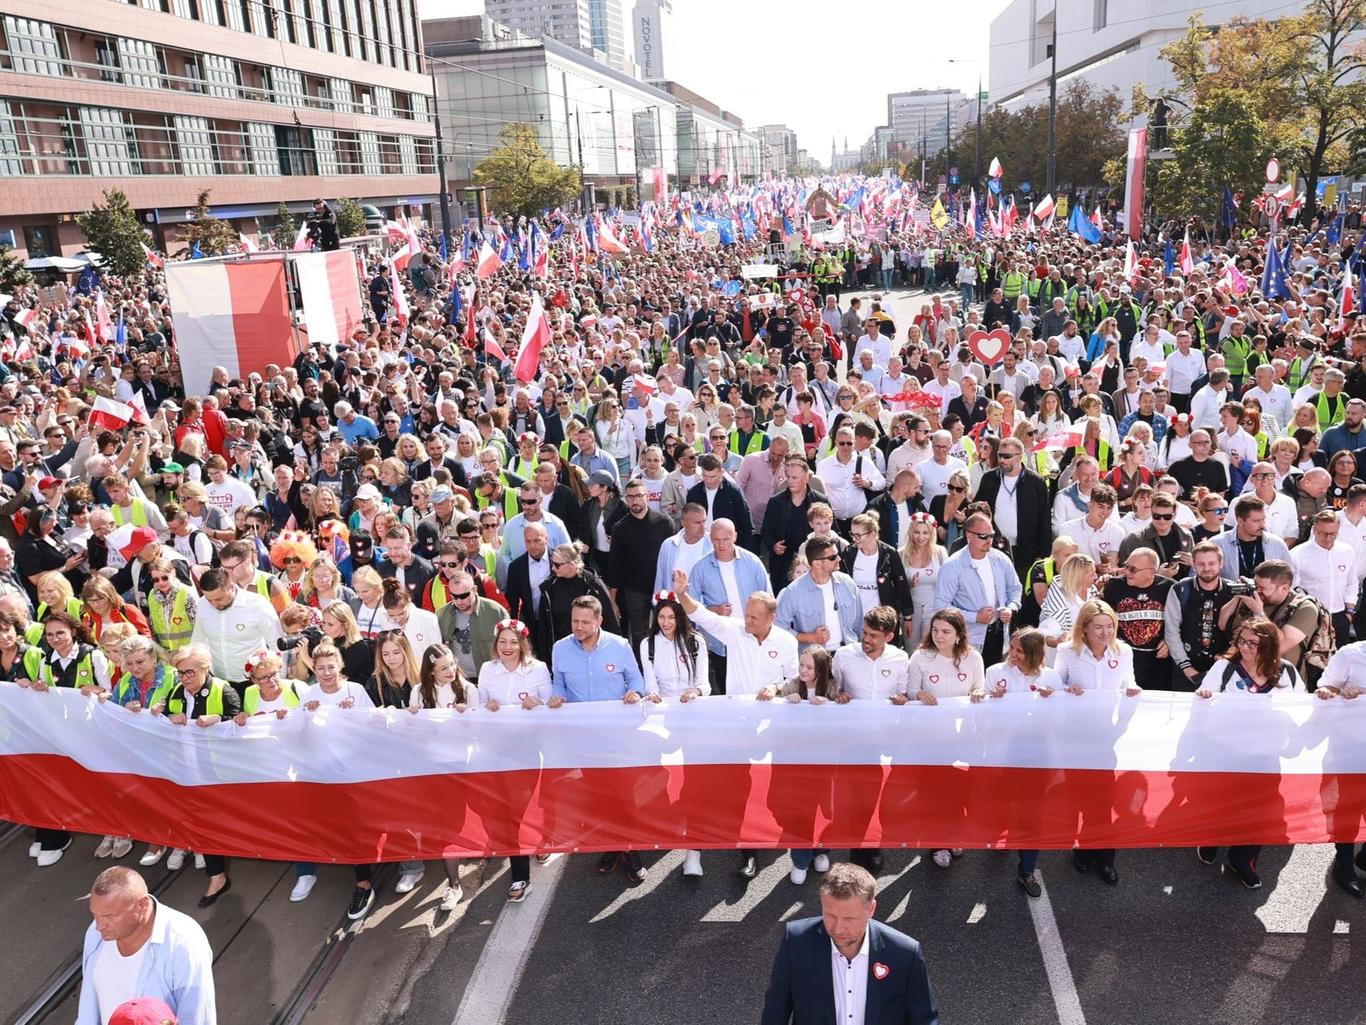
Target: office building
(607, 26)
(565, 21)
(780, 142)
(922, 121)
(260, 105)
(1104, 42)
(652, 29)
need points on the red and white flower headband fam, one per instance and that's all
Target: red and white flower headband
(513, 624)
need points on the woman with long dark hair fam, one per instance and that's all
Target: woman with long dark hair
(673, 657)
(814, 683)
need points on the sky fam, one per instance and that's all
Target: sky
(823, 74)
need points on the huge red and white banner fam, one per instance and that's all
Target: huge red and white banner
(233, 314)
(1134, 171)
(1097, 770)
(329, 293)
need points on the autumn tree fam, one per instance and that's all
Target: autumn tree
(286, 227)
(1223, 143)
(115, 232)
(13, 274)
(521, 178)
(215, 237)
(350, 218)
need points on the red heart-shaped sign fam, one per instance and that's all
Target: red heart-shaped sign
(880, 971)
(991, 347)
(934, 678)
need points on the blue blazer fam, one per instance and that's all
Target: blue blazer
(801, 988)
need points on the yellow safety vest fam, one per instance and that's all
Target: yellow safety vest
(84, 670)
(755, 443)
(1012, 284)
(213, 706)
(167, 679)
(175, 633)
(138, 515)
(440, 596)
(1329, 417)
(251, 701)
(75, 608)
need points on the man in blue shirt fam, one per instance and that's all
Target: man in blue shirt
(133, 932)
(591, 665)
(353, 426)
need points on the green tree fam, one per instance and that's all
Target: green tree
(114, 231)
(286, 227)
(521, 178)
(1330, 85)
(350, 218)
(1223, 142)
(13, 275)
(215, 237)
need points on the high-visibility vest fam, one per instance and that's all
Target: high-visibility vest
(525, 468)
(1263, 444)
(213, 705)
(138, 517)
(440, 596)
(251, 701)
(510, 502)
(33, 633)
(1050, 567)
(172, 633)
(755, 443)
(32, 657)
(165, 677)
(80, 673)
(1012, 285)
(1102, 454)
(75, 608)
(1234, 351)
(1328, 417)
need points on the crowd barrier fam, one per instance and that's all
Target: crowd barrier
(1096, 770)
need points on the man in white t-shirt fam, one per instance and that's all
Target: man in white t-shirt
(226, 493)
(1282, 518)
(1097, 534)
(936, 471)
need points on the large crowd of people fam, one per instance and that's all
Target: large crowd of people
(712, 485)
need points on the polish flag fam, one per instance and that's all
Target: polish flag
(400, 310)
(1059, 439)
(1130, 261)
(111, 415)
(534, 339)
(301, 243)
(1347, 304)
(248, 246)
(106, 325)
(1186, 263)
(609, 243)
(26, 318)
(153, 258)
(995, 170)
(492, 347)
(489, 261)
(1097, 219)
(1045, 208)
(138, 405)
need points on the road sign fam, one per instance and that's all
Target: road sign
(1271, 206)
(953, 179)
(1025, 187)
(1273, 169)
(953, 171)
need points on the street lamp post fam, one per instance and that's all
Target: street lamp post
(1052, 102)
(441, 164)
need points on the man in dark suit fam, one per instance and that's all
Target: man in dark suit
(874, 975)
(1020, 494)
(526, 573)
(723, 500)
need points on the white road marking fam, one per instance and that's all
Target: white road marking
(1060, 979)
(904, 902)
(1300, 889)
(494, 982)
(979, 912)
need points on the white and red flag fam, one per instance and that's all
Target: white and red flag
(489, 261)
(535, 337)
(112, 415)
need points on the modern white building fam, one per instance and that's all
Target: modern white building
(652, 29)
(782, 149)
(607, 25)
(566, 21)
(1103, 41)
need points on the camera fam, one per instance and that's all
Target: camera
(313, 635)
(1242, 587)
(348, 464)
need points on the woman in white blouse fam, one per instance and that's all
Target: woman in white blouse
(922, 557)
(1252, 666)
(514, 677)
(946, 666)
(370, 615)
(1095, 659)
(418, 625)
(329, 687)
(1074, 585)
(441, 684)
(814, 683)
(673, 657)
(1024, 672)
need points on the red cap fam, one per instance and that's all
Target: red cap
(142, 1011)
(48, 482)
(137, 541)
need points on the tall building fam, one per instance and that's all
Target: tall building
(780, 142)
(566, 21)
(607, 24)
(162, 100)
(652, 27)
(1107, 43)
(922, 120)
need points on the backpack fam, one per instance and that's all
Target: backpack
(1228, 674)
(214, 545)
(1320, 645)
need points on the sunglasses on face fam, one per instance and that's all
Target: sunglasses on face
(957, 489)
(1164, 517)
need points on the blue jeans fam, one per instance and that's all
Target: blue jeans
(967, 295)
(802, 858)
(1028, 860)
(886, 279)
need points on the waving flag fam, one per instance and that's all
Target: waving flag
(489, 261)
(939, 217)
(248, 246)
(1135, 175)
(102, 318)
(301, 243)
(1334, 234)
(609, 243)
(110, 415)
(647, 237)
(1347, 304)
(995, 170)
(588, 235)
(492, 347)
(1228, 209)
(26, 318)
(471, 320)
(1130, 261)
(1168, 258)
(1045, 208)
(1079, 224)
(1059, 439)
(153, 258)
(535, 338)
(1273, 274)
(1186, 262)
(1233, 278)
(400, 310)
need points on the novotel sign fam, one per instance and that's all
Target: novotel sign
(647, 43)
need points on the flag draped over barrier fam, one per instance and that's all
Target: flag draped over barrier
(1099, 770)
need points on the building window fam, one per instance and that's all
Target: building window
(407, 154)
(141, 63)
(288, 87)
(295, 146)
(341, 95)
(33, 47)
(183, 8)
(38, 241)
(321, 27)
(194, 140)
(265, 160)
(325, 140)
(384, 101)
(233, 14)
(419, 106)
(194, 75)
(109, 143)
(1102, 14)
(221, 74)
(11, 164)
(370, 162)
(107, 57)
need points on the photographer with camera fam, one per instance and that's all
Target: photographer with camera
(322, 227)
(339, 628)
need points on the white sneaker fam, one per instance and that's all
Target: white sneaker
(821, 863)
(105, 848)
(176, 861)
(34, 849)
(46, 858)
(122, 845)
(303, 886)
(957, 852)
(199, 862)
(943, 859)
(151, 856)
(797, 875)
(408, 881)
(450, 900)
(692, 863)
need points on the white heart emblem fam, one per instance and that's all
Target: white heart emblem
(773, 653)
(611, 668)
(1114, 663)
(886, 672)
(962, 676)
(880, 971)
(934, 678)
